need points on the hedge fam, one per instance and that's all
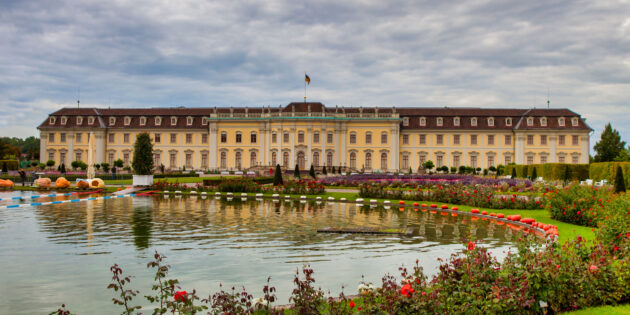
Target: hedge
(608, 171)
(551, 171)
(257, 180)
(12, 165)
(105, 176)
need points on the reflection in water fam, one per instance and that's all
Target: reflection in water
(66, 249)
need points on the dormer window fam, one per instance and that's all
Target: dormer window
(574, 121)
(456, 121)
(491, 121)
(173, 121)
(158, 121)
(204, 121)
(405, 121)
(530, 121)
(112, 121)
(473, 121)
(52, 120)
(423, 121)
(90, 120)
(543, 121)
(127, 121)
(189, 121)
(64, 120)
(440, 121)
(143, 121)
(561, 121)
(79, 120)
(508, 121)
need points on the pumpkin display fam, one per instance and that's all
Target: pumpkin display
(97, 183)
(43, 182)
(83, 184)
(6, 183)
(61, 182)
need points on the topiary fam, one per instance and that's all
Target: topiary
(534, 173)
(143, 155)
(324, 170)
(513, 173)
(312, 171)
(277, 176)
(333, 170)
(620, 185)
(296, 172)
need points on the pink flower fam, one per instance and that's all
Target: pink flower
(592, 268)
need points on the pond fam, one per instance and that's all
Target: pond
(61, 253)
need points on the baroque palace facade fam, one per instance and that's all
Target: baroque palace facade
(376, 138)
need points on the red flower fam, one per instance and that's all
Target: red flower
(351, 304)
(592, 268)
(406, 290)
(557, 266)
(180, 296)
(471, 245)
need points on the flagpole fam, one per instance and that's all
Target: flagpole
(305, 87)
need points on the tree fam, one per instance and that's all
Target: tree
(620, 184)
(312, 171)
(453, 169)
(609, 146)
(119, 163)
(567, 174)
(105, 166)
(513, 172)
(339, 170)
(324, 170)
(82, 165)
(534, 173)
(296, 172)
(50, 163)
(428, 165)
(42, 166)
(97, 166)
(162, 167)
(500, 169)
(410, 171)
(4, 167)
(462, 169)
(277, 176)
(34, 163)
(333, 170)
(74, 164)
(143, 155)
(62, 168)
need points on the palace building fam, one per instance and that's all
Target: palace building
(309, 133)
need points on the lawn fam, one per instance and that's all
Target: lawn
(603, 310)
(187, 180)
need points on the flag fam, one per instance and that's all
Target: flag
(307, 79)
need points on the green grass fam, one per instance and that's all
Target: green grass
(183, 180)
(603, 310)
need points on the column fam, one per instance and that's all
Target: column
(553, 142)
(585, 145)
(43, 137)
(395, 147)
(262, 156)
(267, 146)
(309, 143)
(100, 147)
(322, 140)
(337, 139)
(70, 149)
(344, 139)
(212, 146)
(292, 160)
(519, 148)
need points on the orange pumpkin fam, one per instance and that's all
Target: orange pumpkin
(61, 182)
(97, 183)
(43, 182)
(6, 183)
(83, 184)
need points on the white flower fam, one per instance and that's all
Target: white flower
(260, 301)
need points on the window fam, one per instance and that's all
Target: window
(189, 121)
(252, 137)
(473, 139)
(90, 120)
(530, 159)
(223, 137)
(237, 159)
(405, 162)
(64, 120)
(285, 137)
(561, 159)
(490, 160)
(543, 139)
(574, 159)
(112, 121)
(405, 121)
(224, 159)
(204, 138)
(543, 159)
(456, 160)
(508, 121)
(316, 159)
(301, 137)
(127, 121)
(456, 121)
(156, 159)
(274, 137)
(543, 122)
(204, 159)
(422, 139)
(473, 161)
(530, 140)
(561, 121)
(423, 121)
(143, 121)
(189, 138)
(329, 158)
(62, 158)
(157, 138)
(491, 122)
(126, 158)
(508, 159)
(316, 137)
(252, 159)
(204, 121)
(329, 138)
(439, 139)
(79, 137)
(405, 139)
(456, 139)
(353, 138)
(508, 140)
(575, 140)
(110, 158)
(530, 121)
(353, 160)
(158, 121)
(79, 120)
(574, 123)
(126, 138)
(423, 158)
(368, 160)
(490, 139)
(561, 140)
(173, 121)
(368, 138)
(51, 120)
(62, 137)
(384, 138)
(473, 122)
(285, 159)
(51, 155)
(274, 158)
(189, 160)
(439, 121)
(239, 137)
(112, 138)
(173, 137)
(77, 156)
(439, 160)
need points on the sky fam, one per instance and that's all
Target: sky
(508, 54)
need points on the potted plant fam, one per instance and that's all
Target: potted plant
(142, 161)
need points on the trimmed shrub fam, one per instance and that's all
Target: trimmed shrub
(552, 171)
(620, 185)
(608, 171)
(277, 176)
(11, 165)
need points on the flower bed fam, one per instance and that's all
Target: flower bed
(247, 185)
(420, 180)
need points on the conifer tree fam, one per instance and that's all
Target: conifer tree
(324, 170)
(620, 184)
(296, 173)
(513, 172)
(609, 146)
(312, 172)
(534, 174)
(277, 176)
(333, 170)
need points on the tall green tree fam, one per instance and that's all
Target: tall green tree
(277, 176)
(143, 155)
(312, 171)
(620, 184)
(609, 146)
(296, 172)
(534, 174)
(324, 171)
(513, 172)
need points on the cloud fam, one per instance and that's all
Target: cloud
(361, 52)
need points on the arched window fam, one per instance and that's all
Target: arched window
(473, 122)
(508, 121)
(440, 121)
(353, 160)
(574, 121)
(274, 158)
(530, 121)
(79, 120)
(383, 161)
(252, 159)
(543, 122)
(127, 121)
(423, 121)
(301, 160)
(158, 121)
(143, 121)
(368, 160)
(237, 159)
(173, 121)
(560, 122)
(285, 159)
(368, 138)
(491, 122)
(274, 137)
(316, 159)
(329, 159)
(223, 160)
